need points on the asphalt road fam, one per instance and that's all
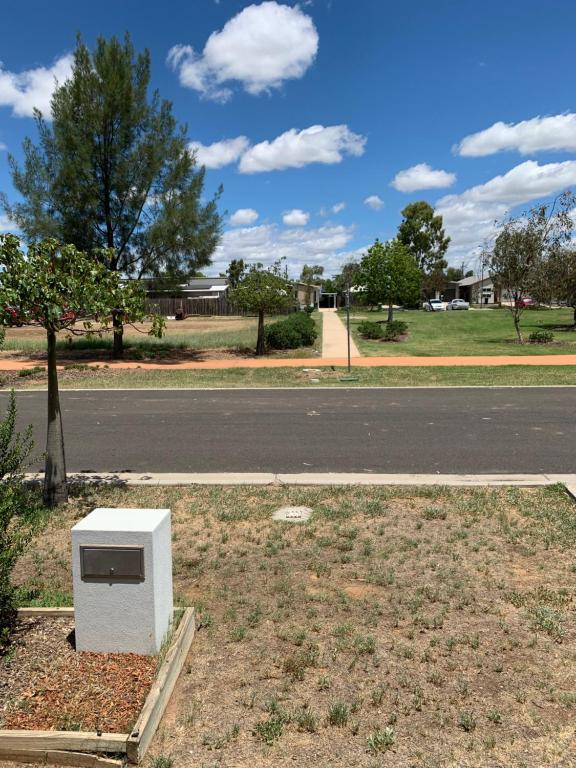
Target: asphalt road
(526, 430)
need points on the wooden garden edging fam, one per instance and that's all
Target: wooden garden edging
(157, 700)
(72, 748)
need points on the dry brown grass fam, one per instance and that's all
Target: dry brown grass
(441, 620)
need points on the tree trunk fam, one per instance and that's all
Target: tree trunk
(55, 488)
(574, 318)
(118, 343)
(390, 311)
(516, 317)
(260, 347)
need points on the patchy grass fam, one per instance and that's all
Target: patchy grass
(476, 332)
(182, 339)
(103, 377)
(403, 627)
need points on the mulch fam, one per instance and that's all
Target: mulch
(46, 685)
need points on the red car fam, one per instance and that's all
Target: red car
(526, 302)
(13, 314)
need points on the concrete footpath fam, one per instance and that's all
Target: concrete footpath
(335, 338)
(318, 478)
(11, 364)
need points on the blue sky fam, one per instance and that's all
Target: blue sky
(323, 119)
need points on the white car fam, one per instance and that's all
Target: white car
(458, 304)
(434, 305)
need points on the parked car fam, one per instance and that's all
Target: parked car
(458, 304)
(434, 305)
(12, 315)
(526, 302)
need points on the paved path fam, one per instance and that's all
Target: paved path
(314, 362)
(334, 337)
(368, 431)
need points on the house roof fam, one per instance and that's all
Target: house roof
(205, 284)
(473, 280)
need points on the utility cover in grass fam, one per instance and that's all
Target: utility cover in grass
(292, 514)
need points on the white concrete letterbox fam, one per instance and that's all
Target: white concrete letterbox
(122, 573)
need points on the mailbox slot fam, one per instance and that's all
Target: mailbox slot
(112, 563)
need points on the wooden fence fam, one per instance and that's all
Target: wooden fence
(214, 307)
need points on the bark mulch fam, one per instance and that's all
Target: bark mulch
(46, 685)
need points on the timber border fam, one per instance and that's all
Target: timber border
(86, 749)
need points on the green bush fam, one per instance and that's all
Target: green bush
(297, 330)
(394, 330)
(385, 332)
(371, 330)
(19, 510)
(541, 337)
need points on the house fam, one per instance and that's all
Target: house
(474, 290)
(478, 290)
(307, 295)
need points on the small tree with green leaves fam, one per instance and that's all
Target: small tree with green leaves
(264, 292)
(59, 288)
(525, 245)
(390, 275)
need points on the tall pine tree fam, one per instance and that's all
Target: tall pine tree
(113, 170)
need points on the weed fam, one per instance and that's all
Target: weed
(467, 721)
(338, 714)
(238, 634)
(377, 695)
(269, 730)
(306, 721)
(434, 513)
(548, 620)
(494, 716)
(381, 740)
(162, 761)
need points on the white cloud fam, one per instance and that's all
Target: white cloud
(524, 182)
(260, 47)
(296, 218)
(220, 153)
(7, 225)
(536, 135)
(243, 217)
(374, 202)
(268, 242)
(33, 88)
(295, 149)
(469, 218)
(422, 176)
(338, 207)
(3, 147)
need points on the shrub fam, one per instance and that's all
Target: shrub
(18, 511)
(394, 330)
(541, 337)
(385, 332)
(297, 330)
(371, 330)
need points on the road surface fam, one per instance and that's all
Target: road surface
(450, 430)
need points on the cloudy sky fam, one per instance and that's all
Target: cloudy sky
(323, 119)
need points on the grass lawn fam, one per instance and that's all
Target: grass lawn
(414, 628)
(191, 337)
(78, 376)
(476, 332)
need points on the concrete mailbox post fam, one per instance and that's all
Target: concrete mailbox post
(122, 572)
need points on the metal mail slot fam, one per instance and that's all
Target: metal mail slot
(112, 563)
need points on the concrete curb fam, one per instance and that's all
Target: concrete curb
(315, 478)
